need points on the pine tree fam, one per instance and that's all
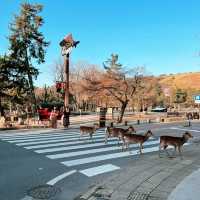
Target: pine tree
(27, 43)
(13, 86)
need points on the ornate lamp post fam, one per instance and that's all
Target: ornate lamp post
(67, 45)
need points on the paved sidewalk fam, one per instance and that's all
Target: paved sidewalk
(188, 189)
(152, 178)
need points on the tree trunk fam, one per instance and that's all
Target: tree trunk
(32, 91)
(123, 107)
(1, 109)
(30, 79)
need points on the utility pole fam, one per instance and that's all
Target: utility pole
(66, 63)
(67, 45)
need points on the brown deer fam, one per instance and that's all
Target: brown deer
(117, 132)
(84, 130)
(165, 141)
(134, 138)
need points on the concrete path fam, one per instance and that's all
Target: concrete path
(151, 178)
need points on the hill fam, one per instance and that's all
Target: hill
(182, 81)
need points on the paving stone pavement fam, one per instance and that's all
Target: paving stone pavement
(147, 178)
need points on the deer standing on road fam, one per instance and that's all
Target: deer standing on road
(117, 132)
(134, 138)
(165, 141)
(84, 130)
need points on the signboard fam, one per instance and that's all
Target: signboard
(197, 99)
(110, 110)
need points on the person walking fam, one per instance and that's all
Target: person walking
(66, 115)
(53, 118)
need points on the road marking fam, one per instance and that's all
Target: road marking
(99, 170)
(53, 141)
(63, 143)
(29, 133)
(72, 147)
(39, 136)
(105, 157)
(185, 129)
(92, 151)
(27, 198)
(60, 177)
(71, 154)
(49, 138)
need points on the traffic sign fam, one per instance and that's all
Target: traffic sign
(197, 99)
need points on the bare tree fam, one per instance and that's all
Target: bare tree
(116, 81)
(58, 70)
(79, 97)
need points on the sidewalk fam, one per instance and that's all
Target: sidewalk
(152, 178)
(188, 188)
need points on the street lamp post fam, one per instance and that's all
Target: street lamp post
(67, 45)
(66, 71)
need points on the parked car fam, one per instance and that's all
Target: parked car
(159, 109)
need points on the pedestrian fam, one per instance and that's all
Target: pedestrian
(53, 118)
(66, 115)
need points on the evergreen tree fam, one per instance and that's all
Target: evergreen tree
(27, 43)
(13, 85)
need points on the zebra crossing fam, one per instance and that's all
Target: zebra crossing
(90, 157)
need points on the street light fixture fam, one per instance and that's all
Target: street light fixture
(67, 45)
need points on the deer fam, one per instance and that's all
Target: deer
(85, 130)
(135, 138)
(176, 142)
(117, 132)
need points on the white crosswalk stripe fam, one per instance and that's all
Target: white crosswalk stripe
(7, 138)
(72, 147)
(39, 135)
(93, 171)
(105, 157)
(84, 152)
(66, 147)
(83, 141)
(46, 138)
(57, 140)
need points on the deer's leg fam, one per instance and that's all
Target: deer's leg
(118, 140)
(165, 148)
(106, 137)
(160, 148)
(128, 147)
(175, 151)
(123, 144)
(126, 144)
(91, 137)
(80, 136)
(141, 147)
(180, 153)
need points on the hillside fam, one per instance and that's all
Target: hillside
(182, 81)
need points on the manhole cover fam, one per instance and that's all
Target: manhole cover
(43, 192)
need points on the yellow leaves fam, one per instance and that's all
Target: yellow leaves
(38, 20)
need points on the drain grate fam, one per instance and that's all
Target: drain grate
(138, 196)
(43, 192)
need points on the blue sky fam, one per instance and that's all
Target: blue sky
(163, 35)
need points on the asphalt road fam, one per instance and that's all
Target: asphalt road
(32, 158)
